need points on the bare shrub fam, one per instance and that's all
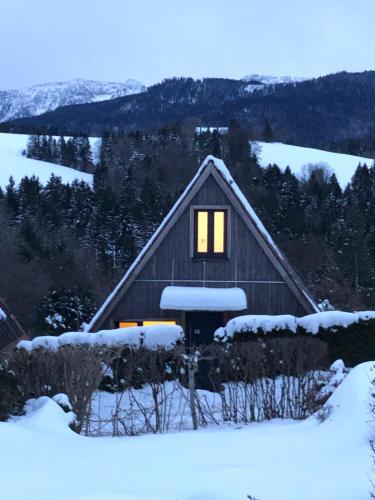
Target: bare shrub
(154, 391)
(145, 383)
(270, 378)
(73, 370)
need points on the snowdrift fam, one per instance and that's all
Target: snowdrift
(278, 460)
(350, 404)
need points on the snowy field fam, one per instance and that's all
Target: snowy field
(13, 163)
(299, 158)
(41, 458)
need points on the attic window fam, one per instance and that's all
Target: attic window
(210, 233)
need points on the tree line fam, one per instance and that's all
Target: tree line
(64, 246)
(74, 152)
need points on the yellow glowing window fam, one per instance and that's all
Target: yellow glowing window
(210, 232)
(219, 232)
(202, 240)
(159, 322)
(127, 324)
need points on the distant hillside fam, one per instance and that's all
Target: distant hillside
(40, 99)
(301, 159)
(14, 163)
(334, 112)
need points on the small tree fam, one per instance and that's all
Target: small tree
(65, 309)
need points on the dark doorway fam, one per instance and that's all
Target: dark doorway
(200, 326)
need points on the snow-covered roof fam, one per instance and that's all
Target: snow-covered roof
(191, 298)
(225, 174)
(10, 330)
(219, 130)
(3, 315)
(220, 166)
(151, 337)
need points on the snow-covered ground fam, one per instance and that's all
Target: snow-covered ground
(13, 163)
(40, 458)
(299, 159)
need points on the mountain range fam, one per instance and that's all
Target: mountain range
(334, 112)
(40, 99)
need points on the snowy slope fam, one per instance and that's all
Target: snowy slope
(272, 80)
(39, 99)
(258, 82)
(299, 158)
(13, 163)
(276, 460)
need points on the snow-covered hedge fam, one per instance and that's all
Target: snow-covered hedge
(350, 336)
(313, 323)
(332, 319)
(151, 337)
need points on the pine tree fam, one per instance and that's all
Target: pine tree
(267, 133)
(83, 152)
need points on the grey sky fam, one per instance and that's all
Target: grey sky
(51, 40)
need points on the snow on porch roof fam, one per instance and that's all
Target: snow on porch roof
(190, 298)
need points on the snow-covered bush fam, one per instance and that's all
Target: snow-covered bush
(73, 370)
(76, 363)
(320, 322)
(251, 381)
(353, 344)
(273, 377)
(130, 367)
(135, 410)
(65, 309)
(350, 336)
(151, 337)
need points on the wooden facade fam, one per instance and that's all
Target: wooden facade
(252, 261)
(11, 331)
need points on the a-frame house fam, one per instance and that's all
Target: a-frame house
(210, 259)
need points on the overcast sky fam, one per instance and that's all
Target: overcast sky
(148, 40)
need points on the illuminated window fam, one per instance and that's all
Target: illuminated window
(202, 228)
(159, 322)
(219, 231)
(128, 324)
(210, 233)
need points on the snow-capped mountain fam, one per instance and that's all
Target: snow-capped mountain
(39, 99)
(271, 80)
(257, 82)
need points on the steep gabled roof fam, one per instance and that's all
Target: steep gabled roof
(10, 330)
(217, 168)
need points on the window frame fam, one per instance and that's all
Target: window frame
(210, 255)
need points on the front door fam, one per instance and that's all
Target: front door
(200, 326)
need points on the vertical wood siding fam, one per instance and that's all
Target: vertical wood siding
(248, 262)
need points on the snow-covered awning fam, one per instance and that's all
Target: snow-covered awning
(190, 298)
